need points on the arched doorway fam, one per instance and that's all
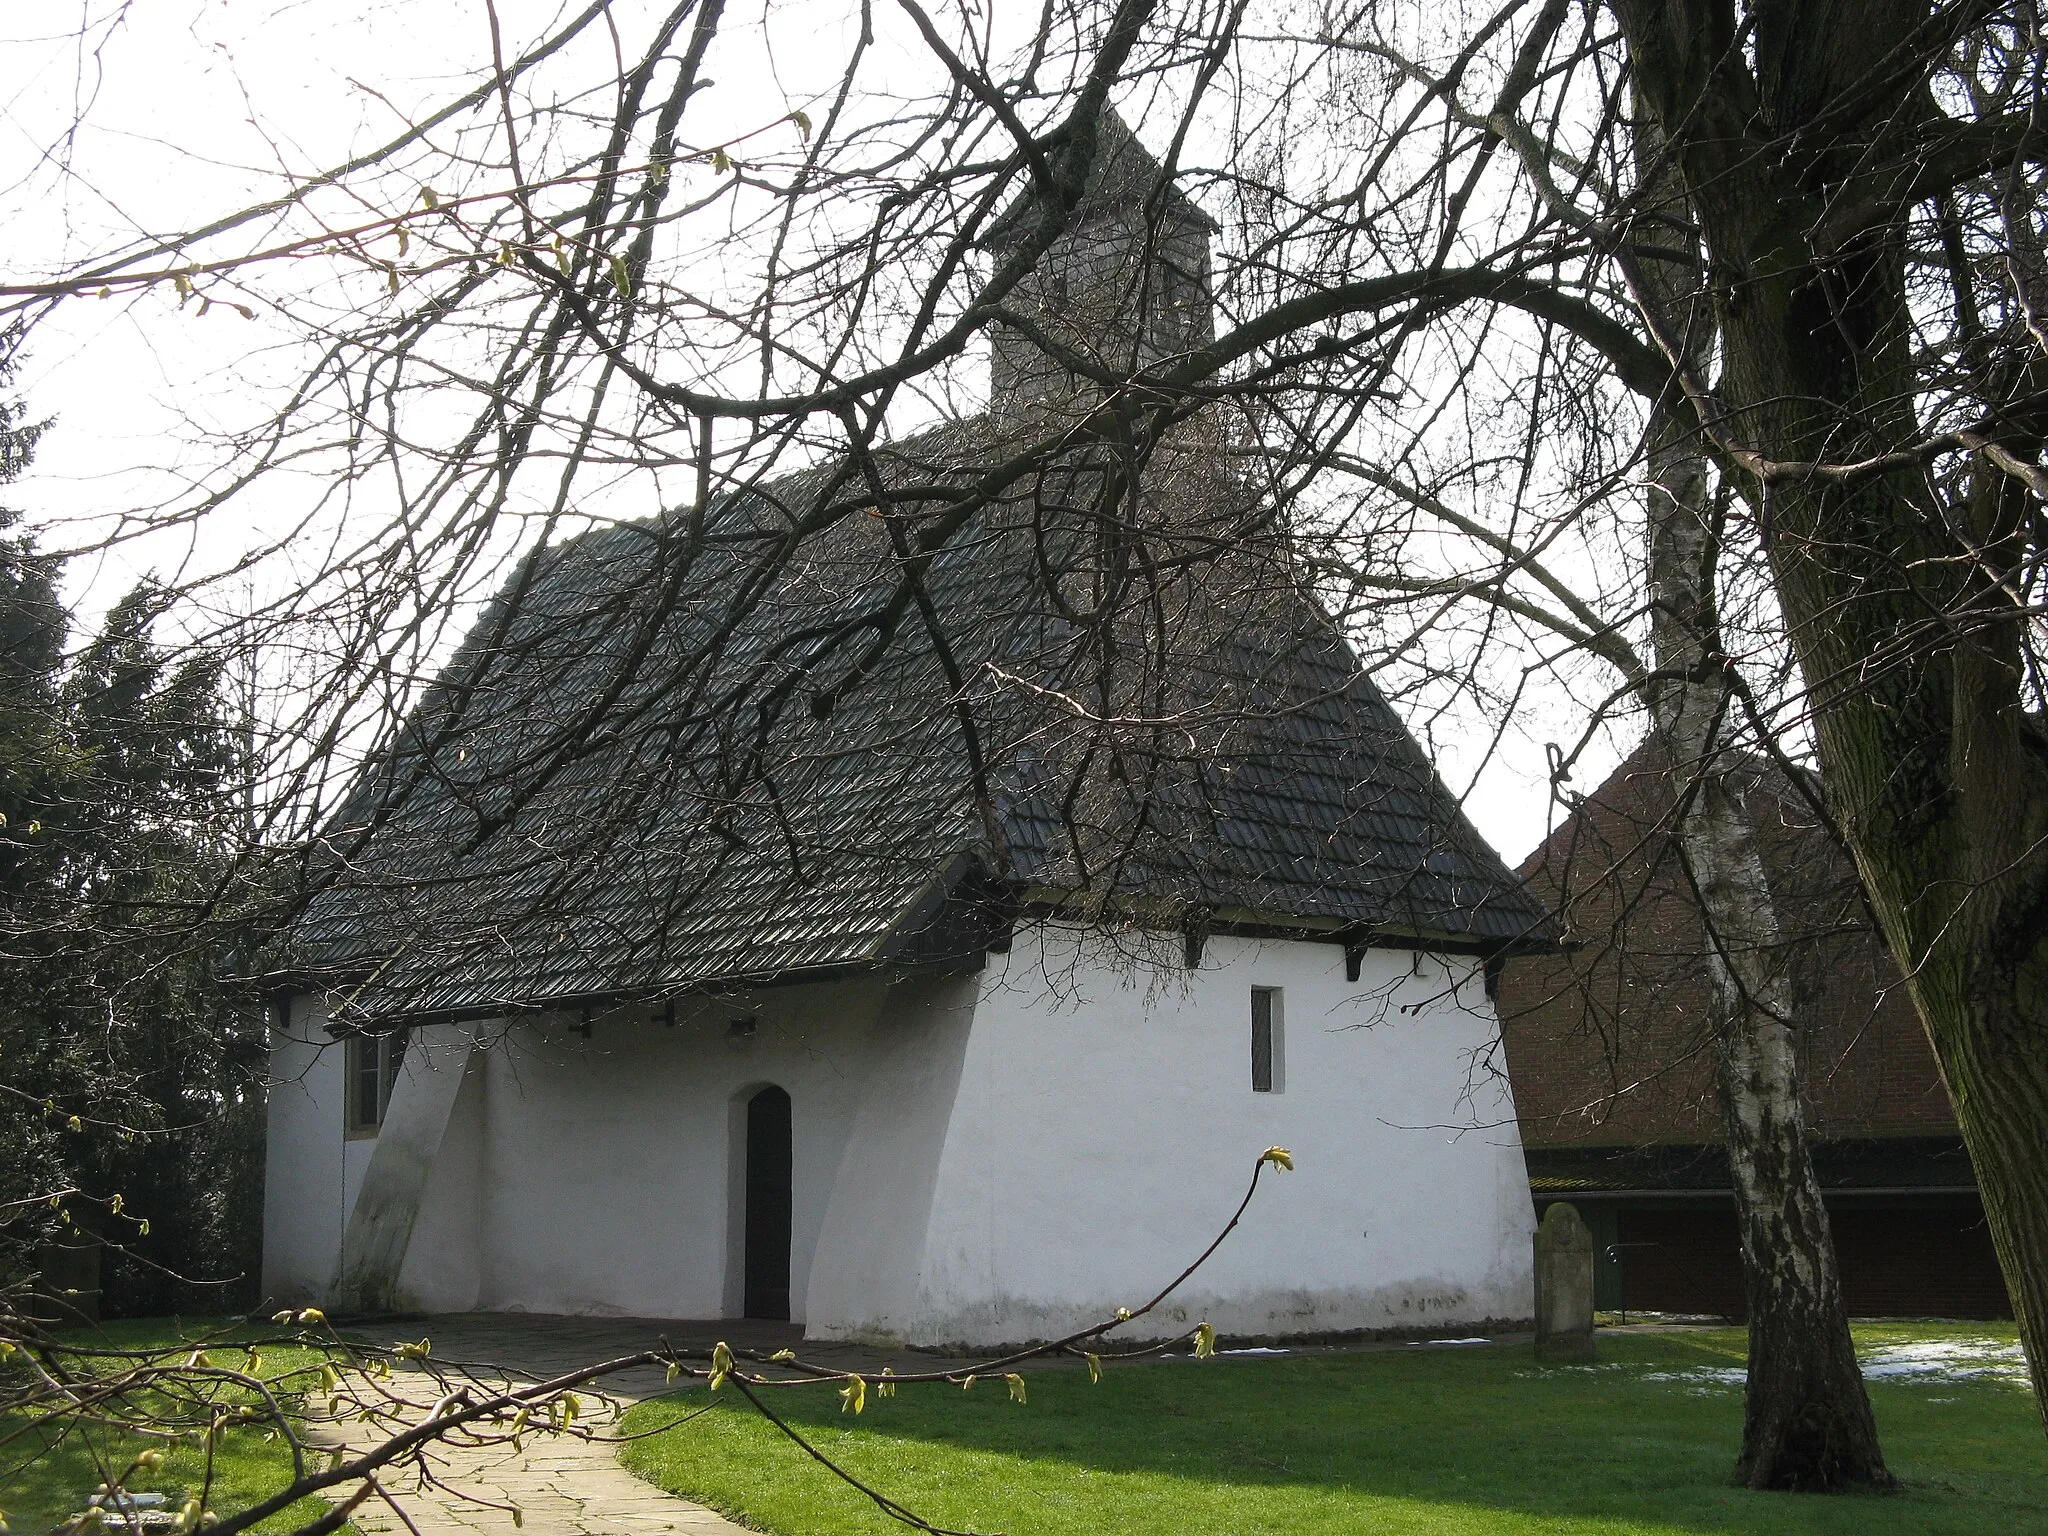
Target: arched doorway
(769, 1164)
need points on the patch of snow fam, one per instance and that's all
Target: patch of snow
(1703, 1376)
(1947, 1360)
(1256, 1349)
(1444, 1343)
(1932, 1361)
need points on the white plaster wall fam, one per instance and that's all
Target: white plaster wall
(864, 1282)
(406, 1156)
(443, 1265)
(303, 1194)
(1106, 1127)
(979, 1159)
(603, 1167)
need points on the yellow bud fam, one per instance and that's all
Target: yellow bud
(783, 1354)
(885, 1386)
(1279, 1157)
(312, 1316)
(1205, 1341)
(1095, 1368)
(1016, 1387)
(74, 1124)
(280, 1317)
(853, 1395)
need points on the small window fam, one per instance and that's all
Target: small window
(1265, 1039)
(373, 1062)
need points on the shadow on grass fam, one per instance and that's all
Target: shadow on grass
(45, 1477)
(1415, 1440)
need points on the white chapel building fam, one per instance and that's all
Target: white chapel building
(922, 950)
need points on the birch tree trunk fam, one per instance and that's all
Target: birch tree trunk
(1807, 1422)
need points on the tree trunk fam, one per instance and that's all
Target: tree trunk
(1892, 587)
(1807, 1422)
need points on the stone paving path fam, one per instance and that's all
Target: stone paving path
(561, 1486)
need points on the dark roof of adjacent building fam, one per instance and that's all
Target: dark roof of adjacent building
(688, 751)
(1609, 1043)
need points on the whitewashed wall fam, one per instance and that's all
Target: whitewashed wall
(1106, 1126)
(304, 1201)
(980, 1159)
(599, 1176)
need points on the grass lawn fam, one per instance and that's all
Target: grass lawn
(41, 1483)
(1407, 1442)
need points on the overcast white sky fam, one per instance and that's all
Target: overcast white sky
(186, 108)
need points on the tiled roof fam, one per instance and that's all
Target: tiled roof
(596, 801)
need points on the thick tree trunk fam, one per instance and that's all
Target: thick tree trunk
(1892, 589)
(1807, 1422)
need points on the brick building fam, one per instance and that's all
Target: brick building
(1609, 1051)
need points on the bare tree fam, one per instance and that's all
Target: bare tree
(1507, 270)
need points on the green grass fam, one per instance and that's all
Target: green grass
(44, 1478)
(1408, 1442)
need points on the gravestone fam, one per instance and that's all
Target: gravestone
(1564, 1286)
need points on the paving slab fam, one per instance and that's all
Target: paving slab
(560, 1485)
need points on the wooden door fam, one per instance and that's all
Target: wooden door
(769, 1205)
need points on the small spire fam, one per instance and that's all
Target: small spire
(1125, 286)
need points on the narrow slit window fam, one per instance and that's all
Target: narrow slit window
(1265, 1037)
